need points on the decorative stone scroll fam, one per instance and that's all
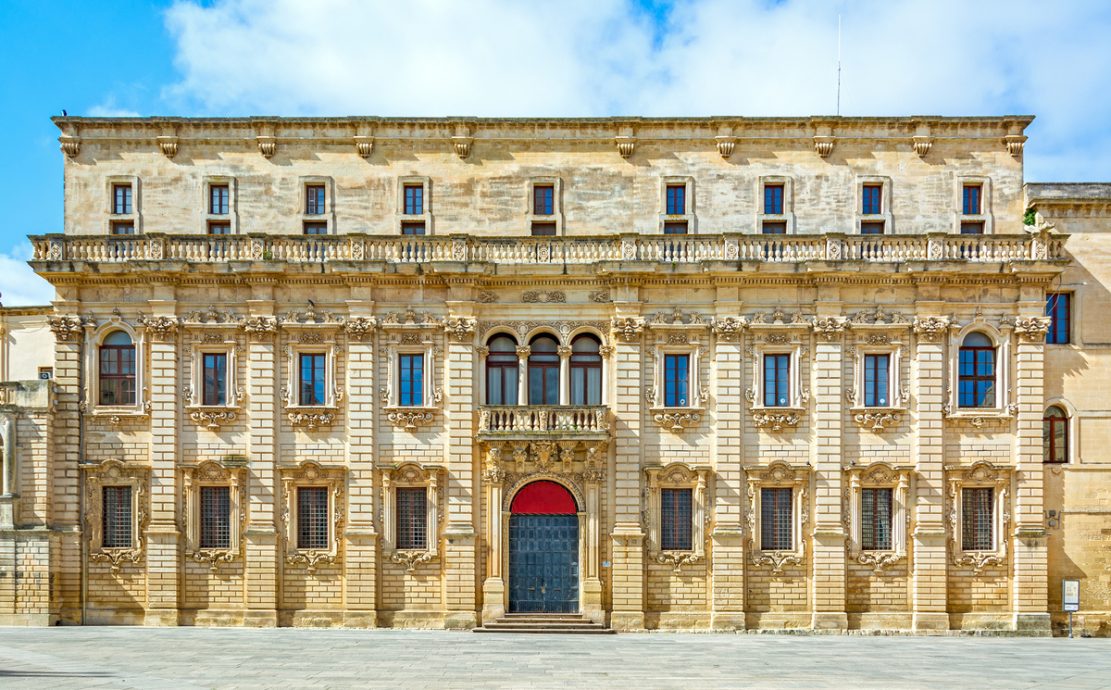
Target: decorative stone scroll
(830, 328)
(160, 328)
(931, 328)
(460, 330)
(677, 421)
(628, 329)
(1032, 329)
(360, 328)
(65, 327)
(729, 327)
(409, 420)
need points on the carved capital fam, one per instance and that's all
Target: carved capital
(931, 328)
(460, 330)
(65, 327)
(830, 328)
(628, 329)
(361, 327)
(1032, 329)
(729, 328)
(260, 327)
(161, 328)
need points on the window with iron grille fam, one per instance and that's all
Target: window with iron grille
(976, 375)
(676, 200)
(121, 199)
(413, 199)
(877, 370)
(215, 516)
(116, 517)
(872, 200)
(312, 370)
(117, 370)
(773, 199)
(677, 380)
(977, 524)
(543, 200)
(776, 516)
(1055, 435)
(410, 380)
(777, 380)
(314, 200)
(312, 517)
(215, 375)
(972, 200)
(675, 519)
(875, 519)
(412, 518)
(218, 198)
(1058, 307)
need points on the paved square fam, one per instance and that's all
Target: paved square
(297, 657)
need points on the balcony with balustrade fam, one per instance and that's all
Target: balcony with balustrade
(543, 422)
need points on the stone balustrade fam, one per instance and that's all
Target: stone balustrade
(540, 421)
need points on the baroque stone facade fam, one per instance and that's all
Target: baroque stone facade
(302, 370)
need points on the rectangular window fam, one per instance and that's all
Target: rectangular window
(412, 228)
(972, 227)
(117, 374)
(312, 517)
(121, 199)
(215, 375)
(676, 200)
(675, 519)
(215, 517)
(413, 199)
(872, 227)
(875, 519)
(312, 372)
(218, 198)
(871, 200)
(972, 200)
(543, 229)
(412, 518)
(314, 200)
(675, 227)
(221, 227)
(676, 380)
(776, 515)
(877, 371)
(777, 378)
(317, 228)
(1058, 307)
(543, 200)
(774, 227)
(410, 380)
(123, 227)
(773, 199)
(116, 520)
(976, 377)
(977, 511)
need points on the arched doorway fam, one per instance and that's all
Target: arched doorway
(543, 550)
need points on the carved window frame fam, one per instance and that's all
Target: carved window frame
(232, 217)
(788, 341)
(136, 215)
(1003, 407)
(411, 475)
(309, 475)
(426, 203)
(233, 392)
(879, 476)
(213, 474)
(329, 215)
(898, 394)
(94, 339)
(678, 475)
(430, 395)
(312, 340)
(116, 473)
(980, 475)
(884, 216)
(779, 475)
(788, 215)
(688, 336)
(689, 217)
(557, 203)
(985, 216)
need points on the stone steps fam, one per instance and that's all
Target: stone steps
(553, 623)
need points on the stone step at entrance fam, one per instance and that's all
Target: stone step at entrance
(554, 623)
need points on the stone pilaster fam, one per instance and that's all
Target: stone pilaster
(628, 532)
(928, 556)
(460, 549)
(828, 584)
(493, 587)
(163, 537)
(361, 547)
(261, 566)
(67, 552)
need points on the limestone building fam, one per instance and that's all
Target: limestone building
(717, 373)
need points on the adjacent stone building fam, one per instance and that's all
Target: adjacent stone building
(706, 373)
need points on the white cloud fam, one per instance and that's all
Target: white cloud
(602, 57)
(109, 109)
(19, 285)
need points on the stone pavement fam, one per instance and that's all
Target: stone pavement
(297, 657)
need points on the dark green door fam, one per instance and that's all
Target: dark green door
(543, 563)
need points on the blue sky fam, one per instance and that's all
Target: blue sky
(514, 58)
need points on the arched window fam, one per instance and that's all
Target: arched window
(117, 369)
(976, 372)
(501, 371)
(586, 371)
(1055, 435)
(543, 371)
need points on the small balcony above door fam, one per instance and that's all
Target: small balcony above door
(536, 422)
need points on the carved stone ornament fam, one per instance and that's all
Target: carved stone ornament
(487, 296)
(677, 559)
(116, 473)
(778, 317)
(462, 146)
(161, 328)
(311, 420)
(460, 330)
(922, 145)
(1014, 144)
(877, 420)
(600, 296)
(774, 421)
(628, 328)
(64, 327)
(212, 418)
(982, 474)
(364, 145)
(312, 474)
(212, 316)
(931, 328)
(830, 328)
(260, 326)
(677, 421)
(310, 315)
(626, 145)
(360, 327)
(168, 145)
(409, 317)
(778, 560)
(729, 327)
(409, 420)
(823, 145)
(726, 145)
(879, 317)
(544, 297)
(267, 145)
(1032, 329)
(71, 145)
(412, 559)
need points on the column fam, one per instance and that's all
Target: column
(928, 556)
(460, 554)
(361, 540)
(727, 552)
(163, 537)
(523, 351)
(493, 587)
(828, 582)
(66, 557)
(1031, 575)
(628, 532)
(261, 567)
(564, 374)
